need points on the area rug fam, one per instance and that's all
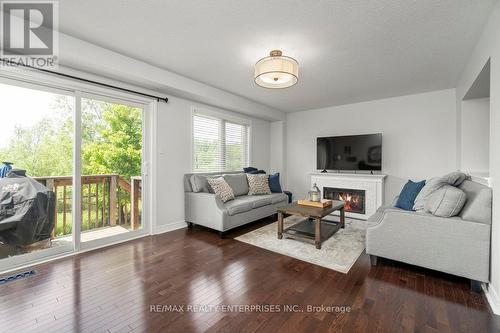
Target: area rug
(339, 252)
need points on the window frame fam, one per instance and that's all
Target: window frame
(224, 117)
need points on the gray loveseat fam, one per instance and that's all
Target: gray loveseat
(457, 245)
(204, 208)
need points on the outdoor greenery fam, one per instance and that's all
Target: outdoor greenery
(206, 155)
(111, 141)
(111, 144)
(233, 157)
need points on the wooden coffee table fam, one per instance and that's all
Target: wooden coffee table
(312, 227)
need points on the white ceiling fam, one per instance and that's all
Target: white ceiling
(348, 51)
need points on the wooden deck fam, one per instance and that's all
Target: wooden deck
(86, 236)
(94, 234)
(112, 290)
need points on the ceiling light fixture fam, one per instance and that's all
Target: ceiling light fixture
(276, 71)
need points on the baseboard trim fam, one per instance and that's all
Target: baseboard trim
(492, 298)
(161, 229)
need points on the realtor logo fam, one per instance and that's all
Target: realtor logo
(29, 32)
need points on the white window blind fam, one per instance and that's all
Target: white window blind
(218, 144)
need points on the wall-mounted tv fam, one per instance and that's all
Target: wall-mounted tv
(352, 152)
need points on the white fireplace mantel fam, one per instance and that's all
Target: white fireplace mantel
(373, 185)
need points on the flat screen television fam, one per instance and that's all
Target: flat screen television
(351, 152)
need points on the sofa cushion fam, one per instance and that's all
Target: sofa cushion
(477, 208)
(278, 197)
(221, 189)
(246, 203)
(238, 183)
(446, 201)
(262, 200)
(199, 183)
(239, 205)
(408, 194)
(258, 184)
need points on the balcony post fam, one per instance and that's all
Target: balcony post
(112, 200)
(134, 209)
(49, 183)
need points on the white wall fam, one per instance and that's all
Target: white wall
(174, 156)
(418, 134)
(277, 147)
(475, 141)
(488, 47)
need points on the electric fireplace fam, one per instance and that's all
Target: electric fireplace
(354, 199)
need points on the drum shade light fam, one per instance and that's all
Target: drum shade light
(276, 71)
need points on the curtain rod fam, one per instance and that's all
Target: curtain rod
(72, 77)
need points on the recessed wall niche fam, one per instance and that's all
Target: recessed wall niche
(475, 126)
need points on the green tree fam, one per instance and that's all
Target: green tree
(45, 149)
(117, 145)
(111, 141)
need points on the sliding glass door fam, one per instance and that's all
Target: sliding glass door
(111, 160)
(36, 172)
(71, 171)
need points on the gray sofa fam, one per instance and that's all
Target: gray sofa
(455, 245)
(206, 209)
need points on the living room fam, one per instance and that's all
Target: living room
(192, 131)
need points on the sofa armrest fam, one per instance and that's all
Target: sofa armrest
(450, 245)
(380, 215)
(290, 196)
(203, 209)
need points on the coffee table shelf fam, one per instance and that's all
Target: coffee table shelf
(312, 227)
(306, 229)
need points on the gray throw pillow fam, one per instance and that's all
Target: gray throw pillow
(447, 201)
(430, 186)
(199, 183)
(454, 178)
(478, 209)
(238, 183)
(258, 184)
(221, 189)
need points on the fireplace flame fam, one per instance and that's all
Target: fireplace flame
(351, 201)
(354, 200)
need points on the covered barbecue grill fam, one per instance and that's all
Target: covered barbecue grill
(26, 210)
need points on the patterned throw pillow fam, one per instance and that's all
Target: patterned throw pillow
(258, 184)
(221, 188)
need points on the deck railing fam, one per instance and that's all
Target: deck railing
(106, 200)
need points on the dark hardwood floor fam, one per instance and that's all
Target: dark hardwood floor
(113, 289)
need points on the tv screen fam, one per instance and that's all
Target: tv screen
(353, 152)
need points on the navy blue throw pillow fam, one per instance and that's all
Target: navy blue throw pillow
(274, 183)
(249, 169)
(408, 194)
(256, 172)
